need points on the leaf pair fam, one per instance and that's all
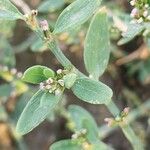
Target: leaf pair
(41, 104)
(96, 49)
(37, 74)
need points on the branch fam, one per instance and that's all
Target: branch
(21, 4)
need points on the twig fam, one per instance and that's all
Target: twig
(21, 4)
(140, 53)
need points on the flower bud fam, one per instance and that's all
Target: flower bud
(134, 13)
(44, 25)
(133, 2)
(59, 71)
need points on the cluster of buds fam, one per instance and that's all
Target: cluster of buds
(79, 134)
(141, 11)
(54, 85)
(119, 119)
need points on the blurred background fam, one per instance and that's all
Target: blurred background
(128, 74)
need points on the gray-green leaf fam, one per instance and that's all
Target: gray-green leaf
(78, 115)
(76, 14)
(8, 11)
(36, 74)
(36, 111)
(66, 145)
(92, 91)
(97, 50)
(132, 31)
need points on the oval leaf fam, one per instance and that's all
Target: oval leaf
(97, 51)
(35, 74)
(36, 111)
(92, 91)
(8, 11)
(78, 115)
(76, 14)
(66, 145)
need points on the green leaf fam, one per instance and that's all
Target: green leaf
(78, 115)
(49, 73)
(5, 90)
(35, 74)
(92, 91)
(97, 50)
(132, 31)
(50, 5)
(76, 14)
(66, 145)
(36, 111)
(69, 80)
(8, 11)
(92, 136)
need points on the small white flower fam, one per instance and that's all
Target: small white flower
(49, 81)
(19, 74)
(146, 6)
(50, 91)
(59, 71)
(74, 136)
(145, 13)
(133, 2)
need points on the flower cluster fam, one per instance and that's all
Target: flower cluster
(141, 11)
(79, 133)
(119, 119)
(54, 85)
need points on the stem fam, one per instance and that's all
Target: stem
(129, 133)
(113, 108)
(127, 130)
(132, 116)
(59, 55)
